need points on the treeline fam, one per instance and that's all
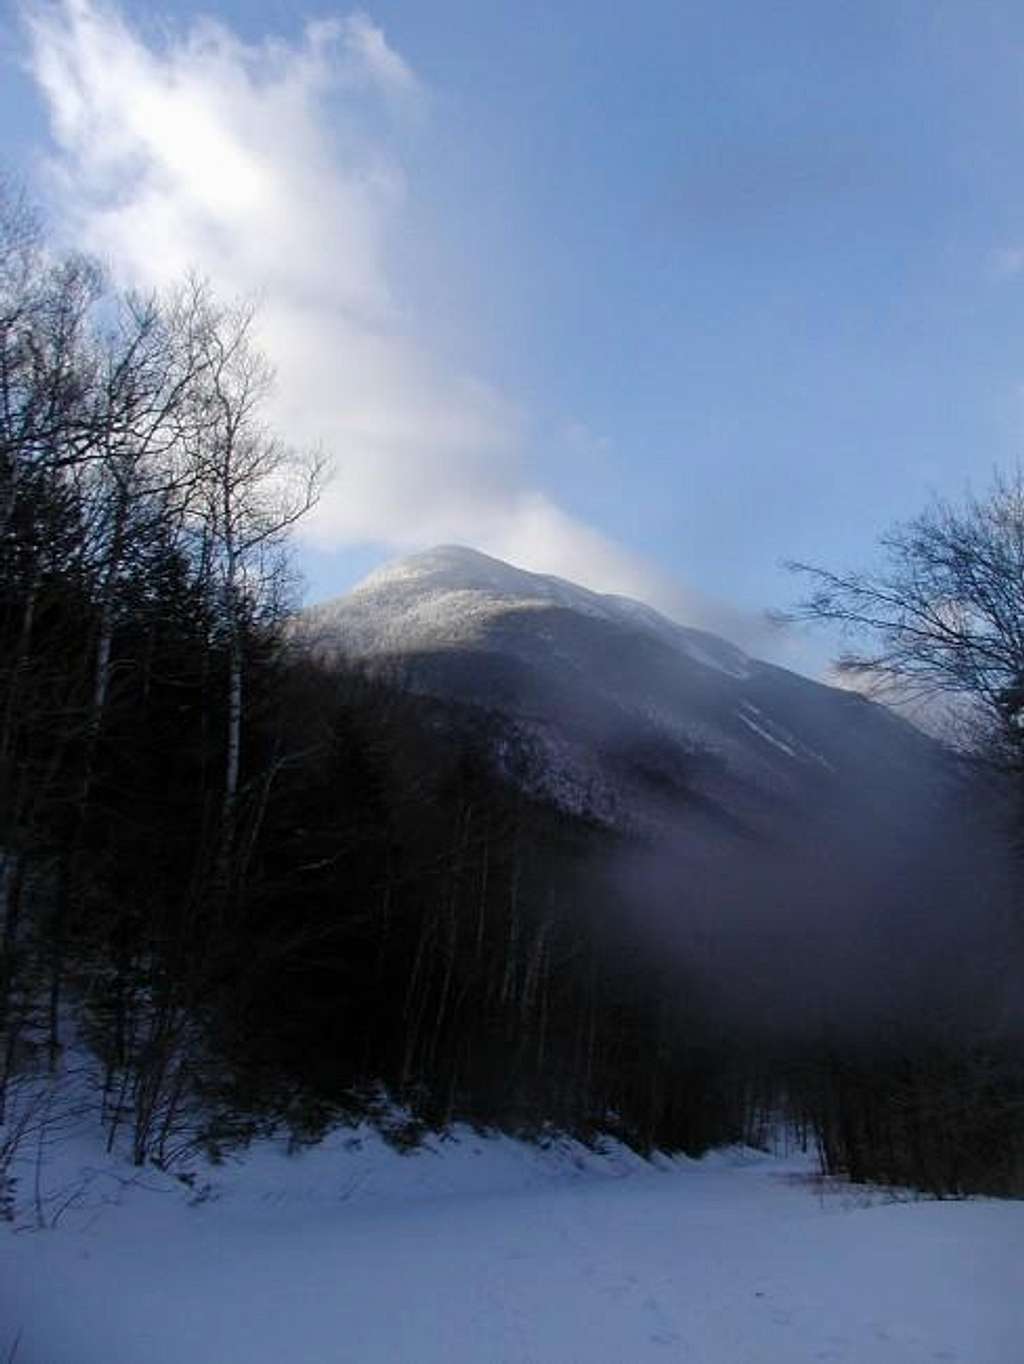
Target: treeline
(143, 581)
(262, 890)
(423, 926)
(919, 1110)
(253, 885)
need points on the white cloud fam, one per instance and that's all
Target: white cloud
(379, 61)
(270, 169)
(208, 152)
(275, 169)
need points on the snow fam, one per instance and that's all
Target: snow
(602, 679)
(487, 1249)
(450, 595)
(747, 716)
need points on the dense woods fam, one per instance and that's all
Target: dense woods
(242, 887)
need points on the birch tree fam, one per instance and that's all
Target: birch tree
(251, 488)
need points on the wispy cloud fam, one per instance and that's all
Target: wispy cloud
(274, 169)
(377, 60)
(277, 168)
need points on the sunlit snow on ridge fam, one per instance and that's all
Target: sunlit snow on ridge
(452, 591)
(621, 712)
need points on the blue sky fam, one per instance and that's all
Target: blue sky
(654, 296)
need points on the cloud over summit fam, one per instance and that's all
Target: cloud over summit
(277, 169)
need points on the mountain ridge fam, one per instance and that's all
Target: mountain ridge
(620, 711)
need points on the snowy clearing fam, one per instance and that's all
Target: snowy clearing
(486, 1249)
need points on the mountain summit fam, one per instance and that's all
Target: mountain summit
(450, 594)
(613, 709)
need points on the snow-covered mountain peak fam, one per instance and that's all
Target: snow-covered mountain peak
(448, 595)
(617, 708)
(457, 565)
(458, 569)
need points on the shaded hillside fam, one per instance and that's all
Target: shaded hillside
(622, 714)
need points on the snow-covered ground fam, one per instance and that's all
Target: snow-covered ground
(479, 1249)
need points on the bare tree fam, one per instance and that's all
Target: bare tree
(250, 490)
(939, 1103)
(943, 616)
(45, 305)
(141, 413)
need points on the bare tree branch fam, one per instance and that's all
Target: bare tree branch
(944, 615)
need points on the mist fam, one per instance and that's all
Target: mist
(870, 916)
(425, 810)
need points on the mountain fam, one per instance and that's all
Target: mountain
(612, 710)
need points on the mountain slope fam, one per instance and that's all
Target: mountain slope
(619, 712)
